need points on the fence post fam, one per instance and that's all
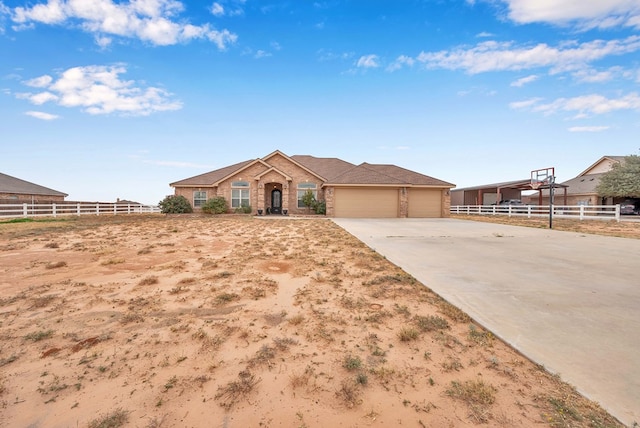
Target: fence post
(115, 209)
(618, 212)
(25, 210)
(528, 211)
(581, 212)
(53, 209)
(98, 208)
(78, 210)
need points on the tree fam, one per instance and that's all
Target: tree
(308, 199)
(623, 180)
(217, 205)
(174, 204)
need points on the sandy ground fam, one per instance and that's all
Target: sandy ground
(187, 321)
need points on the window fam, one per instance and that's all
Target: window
(199, 198)
(240, 194)
(302, 189)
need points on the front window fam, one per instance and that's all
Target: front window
(240, 194)
(199, 198)
(303, 188)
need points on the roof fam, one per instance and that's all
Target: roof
(581, 185)
(330, 170)
(209, 178)
(502, 185)
(367, 173)
(9, 184)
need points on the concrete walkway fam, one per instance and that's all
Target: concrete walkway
(568, 301)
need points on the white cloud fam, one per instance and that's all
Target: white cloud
(588, 128)
(586, 14)
(41, 115)
(500, 56)
(586, 105)
(262, 54)
(524, 80)
(217, 9)
(524, 104)
(368, 61)
(484, 35)
(400, 62)
(99, 90)
(152, 21)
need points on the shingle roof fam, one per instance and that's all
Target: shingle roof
(333, 170)
(367, 173)
(585, 184)
(9, 184)
(208, 178)
(325, 167)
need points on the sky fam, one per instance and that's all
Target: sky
(106, 99)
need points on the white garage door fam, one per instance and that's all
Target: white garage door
(425, 203)
(366, 203)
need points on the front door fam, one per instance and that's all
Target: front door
(276, 202)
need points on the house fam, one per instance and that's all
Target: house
(276, 183)
(13, 189)
(581, 190)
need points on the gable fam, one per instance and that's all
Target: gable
(604, 164)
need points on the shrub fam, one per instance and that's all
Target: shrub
(217, 205)
(320, 207)
(175, 204)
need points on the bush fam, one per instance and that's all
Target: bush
(320, 207)
(217, 205)
(174, 204)
(244, 209)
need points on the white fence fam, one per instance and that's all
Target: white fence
(73, 208)
(580, 212)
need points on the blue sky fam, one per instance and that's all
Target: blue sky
(105, 99)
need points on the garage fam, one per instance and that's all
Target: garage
(425, 203)
(366, 202)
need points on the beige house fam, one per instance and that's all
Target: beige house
(13, 189)
(581, 190)
(276, 183)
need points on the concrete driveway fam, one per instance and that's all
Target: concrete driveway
(568, 301)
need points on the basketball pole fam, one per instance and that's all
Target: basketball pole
(551, 186)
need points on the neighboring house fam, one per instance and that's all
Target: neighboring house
(488, 194)
(16, 190)
(276, 183)
(581, 190)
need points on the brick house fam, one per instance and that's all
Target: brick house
(13, 189)
(276, 183)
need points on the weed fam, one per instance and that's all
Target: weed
(232, 392)
(43, 301)
(264, 356)
(430, 323)
(296, 319)
(452, 364)
(149, 280)
(51, 245)
(226, 298)
(39, 335)
(170, 383)
(178, 289)
(349, 393)
(55, 265)
(407, 334)
(283, 343)
(352, 363)
(361, 379)
(473, 392)
(115, 419)
(479, 336)
(113, 262)
(5, 361)
(402, 310)
(452, 312)
(130, 317)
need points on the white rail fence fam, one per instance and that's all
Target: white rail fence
(580, 212)
(73, 208)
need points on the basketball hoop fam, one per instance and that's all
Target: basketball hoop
(535, 185)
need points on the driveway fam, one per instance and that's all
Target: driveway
(568, 301)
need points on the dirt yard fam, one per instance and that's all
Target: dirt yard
(187, 321)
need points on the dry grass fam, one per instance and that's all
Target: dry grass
(623, 229)
(316, 323)
(114, 419)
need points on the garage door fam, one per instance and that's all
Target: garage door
(366, 203)
(425, 203)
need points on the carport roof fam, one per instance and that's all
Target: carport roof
(518, 184)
